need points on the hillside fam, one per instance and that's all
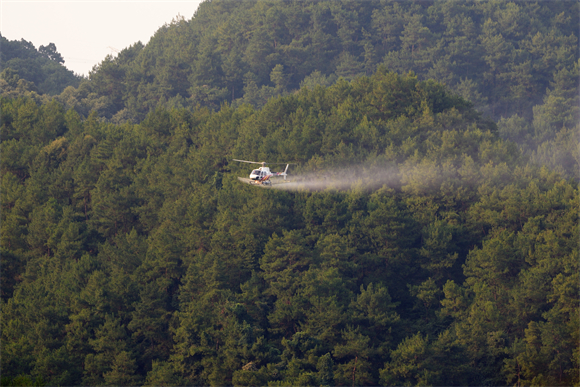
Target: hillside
(28, 71)
(516, 61)
(132, 255)
(427, 235)
(501, 55)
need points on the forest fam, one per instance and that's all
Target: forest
(28, 70)
(132, 255)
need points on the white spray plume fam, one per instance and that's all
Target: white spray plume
(342, 179)
(424, 177)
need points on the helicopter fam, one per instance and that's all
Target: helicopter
(262, 175)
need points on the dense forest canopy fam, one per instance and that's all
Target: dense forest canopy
(501, 55)
(516, 61)
(24, 69)
(132, 255)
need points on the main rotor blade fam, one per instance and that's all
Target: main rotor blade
(260, 162)
(251, 162)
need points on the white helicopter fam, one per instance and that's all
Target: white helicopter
(262, 175)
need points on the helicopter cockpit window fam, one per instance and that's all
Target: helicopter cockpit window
(256, 172)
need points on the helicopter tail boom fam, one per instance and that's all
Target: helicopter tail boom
(282, 173)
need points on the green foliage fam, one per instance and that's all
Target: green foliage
(21, 62)
(502, 57)
(431, 249)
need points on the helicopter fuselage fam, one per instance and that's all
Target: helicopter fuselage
(260, 173)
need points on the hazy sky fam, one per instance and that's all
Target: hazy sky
(84, 31)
